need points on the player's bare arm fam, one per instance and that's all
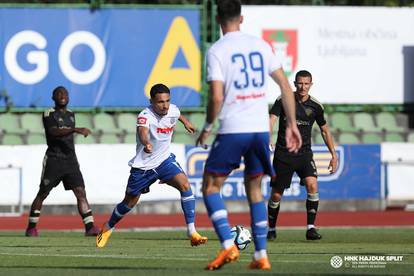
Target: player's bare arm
(55, 131)
(327, 138)
(143, 134)
(215, 101)
(272, 121)
(187, 124)
(293, 137)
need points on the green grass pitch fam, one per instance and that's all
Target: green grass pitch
(170, 253)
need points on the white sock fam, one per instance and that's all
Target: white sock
(260, 254)
(227, 244)
(311, 226)
(191, 229)
(272, 228)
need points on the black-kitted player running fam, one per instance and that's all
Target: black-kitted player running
(60, 162)
(308, 110)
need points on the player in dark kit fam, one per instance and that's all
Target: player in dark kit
(60, 162)
(308, 110)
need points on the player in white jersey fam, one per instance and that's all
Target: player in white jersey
(154, 161)
(160, 130)
(237, 68)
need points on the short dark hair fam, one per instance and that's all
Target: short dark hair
(59, 88)
(228, 9)
(303, 74)
(157, 89)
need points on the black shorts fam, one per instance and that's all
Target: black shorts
(286, 164)
(56, 170)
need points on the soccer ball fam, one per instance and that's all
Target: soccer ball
(241, 236)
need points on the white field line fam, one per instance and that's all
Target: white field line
(201, 257)
(140, 257)
(150, 229)
(152, 257)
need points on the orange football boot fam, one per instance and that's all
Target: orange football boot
(262, 264)
(196, 239)
(103, 236)
(224, 256)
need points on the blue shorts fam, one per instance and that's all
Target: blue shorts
(228, 149)
(140, 180)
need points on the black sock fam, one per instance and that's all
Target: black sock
(273, 208)
(33, 218)
(312, 209)
(87, 219)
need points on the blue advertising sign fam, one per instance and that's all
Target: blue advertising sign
(357, 177)
(106, 58)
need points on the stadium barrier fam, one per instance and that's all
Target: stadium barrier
(12, 182)
(104, 167)
(105, 170)
(398, 163)
(356, 162)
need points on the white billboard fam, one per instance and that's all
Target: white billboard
(104, 168)
(399, 161)
(356, 54)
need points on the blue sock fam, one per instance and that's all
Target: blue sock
(188, 206)
(119, 211)
(258, 216)
(218, 215)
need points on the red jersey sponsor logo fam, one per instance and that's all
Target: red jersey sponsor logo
(251, 96)
(165, 130)
(141, 121)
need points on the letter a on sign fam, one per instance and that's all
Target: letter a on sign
(178, 37)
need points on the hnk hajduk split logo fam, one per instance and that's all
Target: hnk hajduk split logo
(366, 261)
(285, 46)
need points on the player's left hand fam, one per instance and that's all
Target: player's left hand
(190, 128)
(202, 139)
(333, 164)
(148, 148)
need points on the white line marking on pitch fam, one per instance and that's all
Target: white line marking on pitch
(158, 257)
(102, 256)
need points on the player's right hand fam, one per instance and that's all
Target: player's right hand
(333, 164)
(293, 138)
(84, 131)
(202, 138)
(148, 148)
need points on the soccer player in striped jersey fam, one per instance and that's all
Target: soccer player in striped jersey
(154, 161)
(238, 66)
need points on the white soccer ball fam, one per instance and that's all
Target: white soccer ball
(241, 236)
